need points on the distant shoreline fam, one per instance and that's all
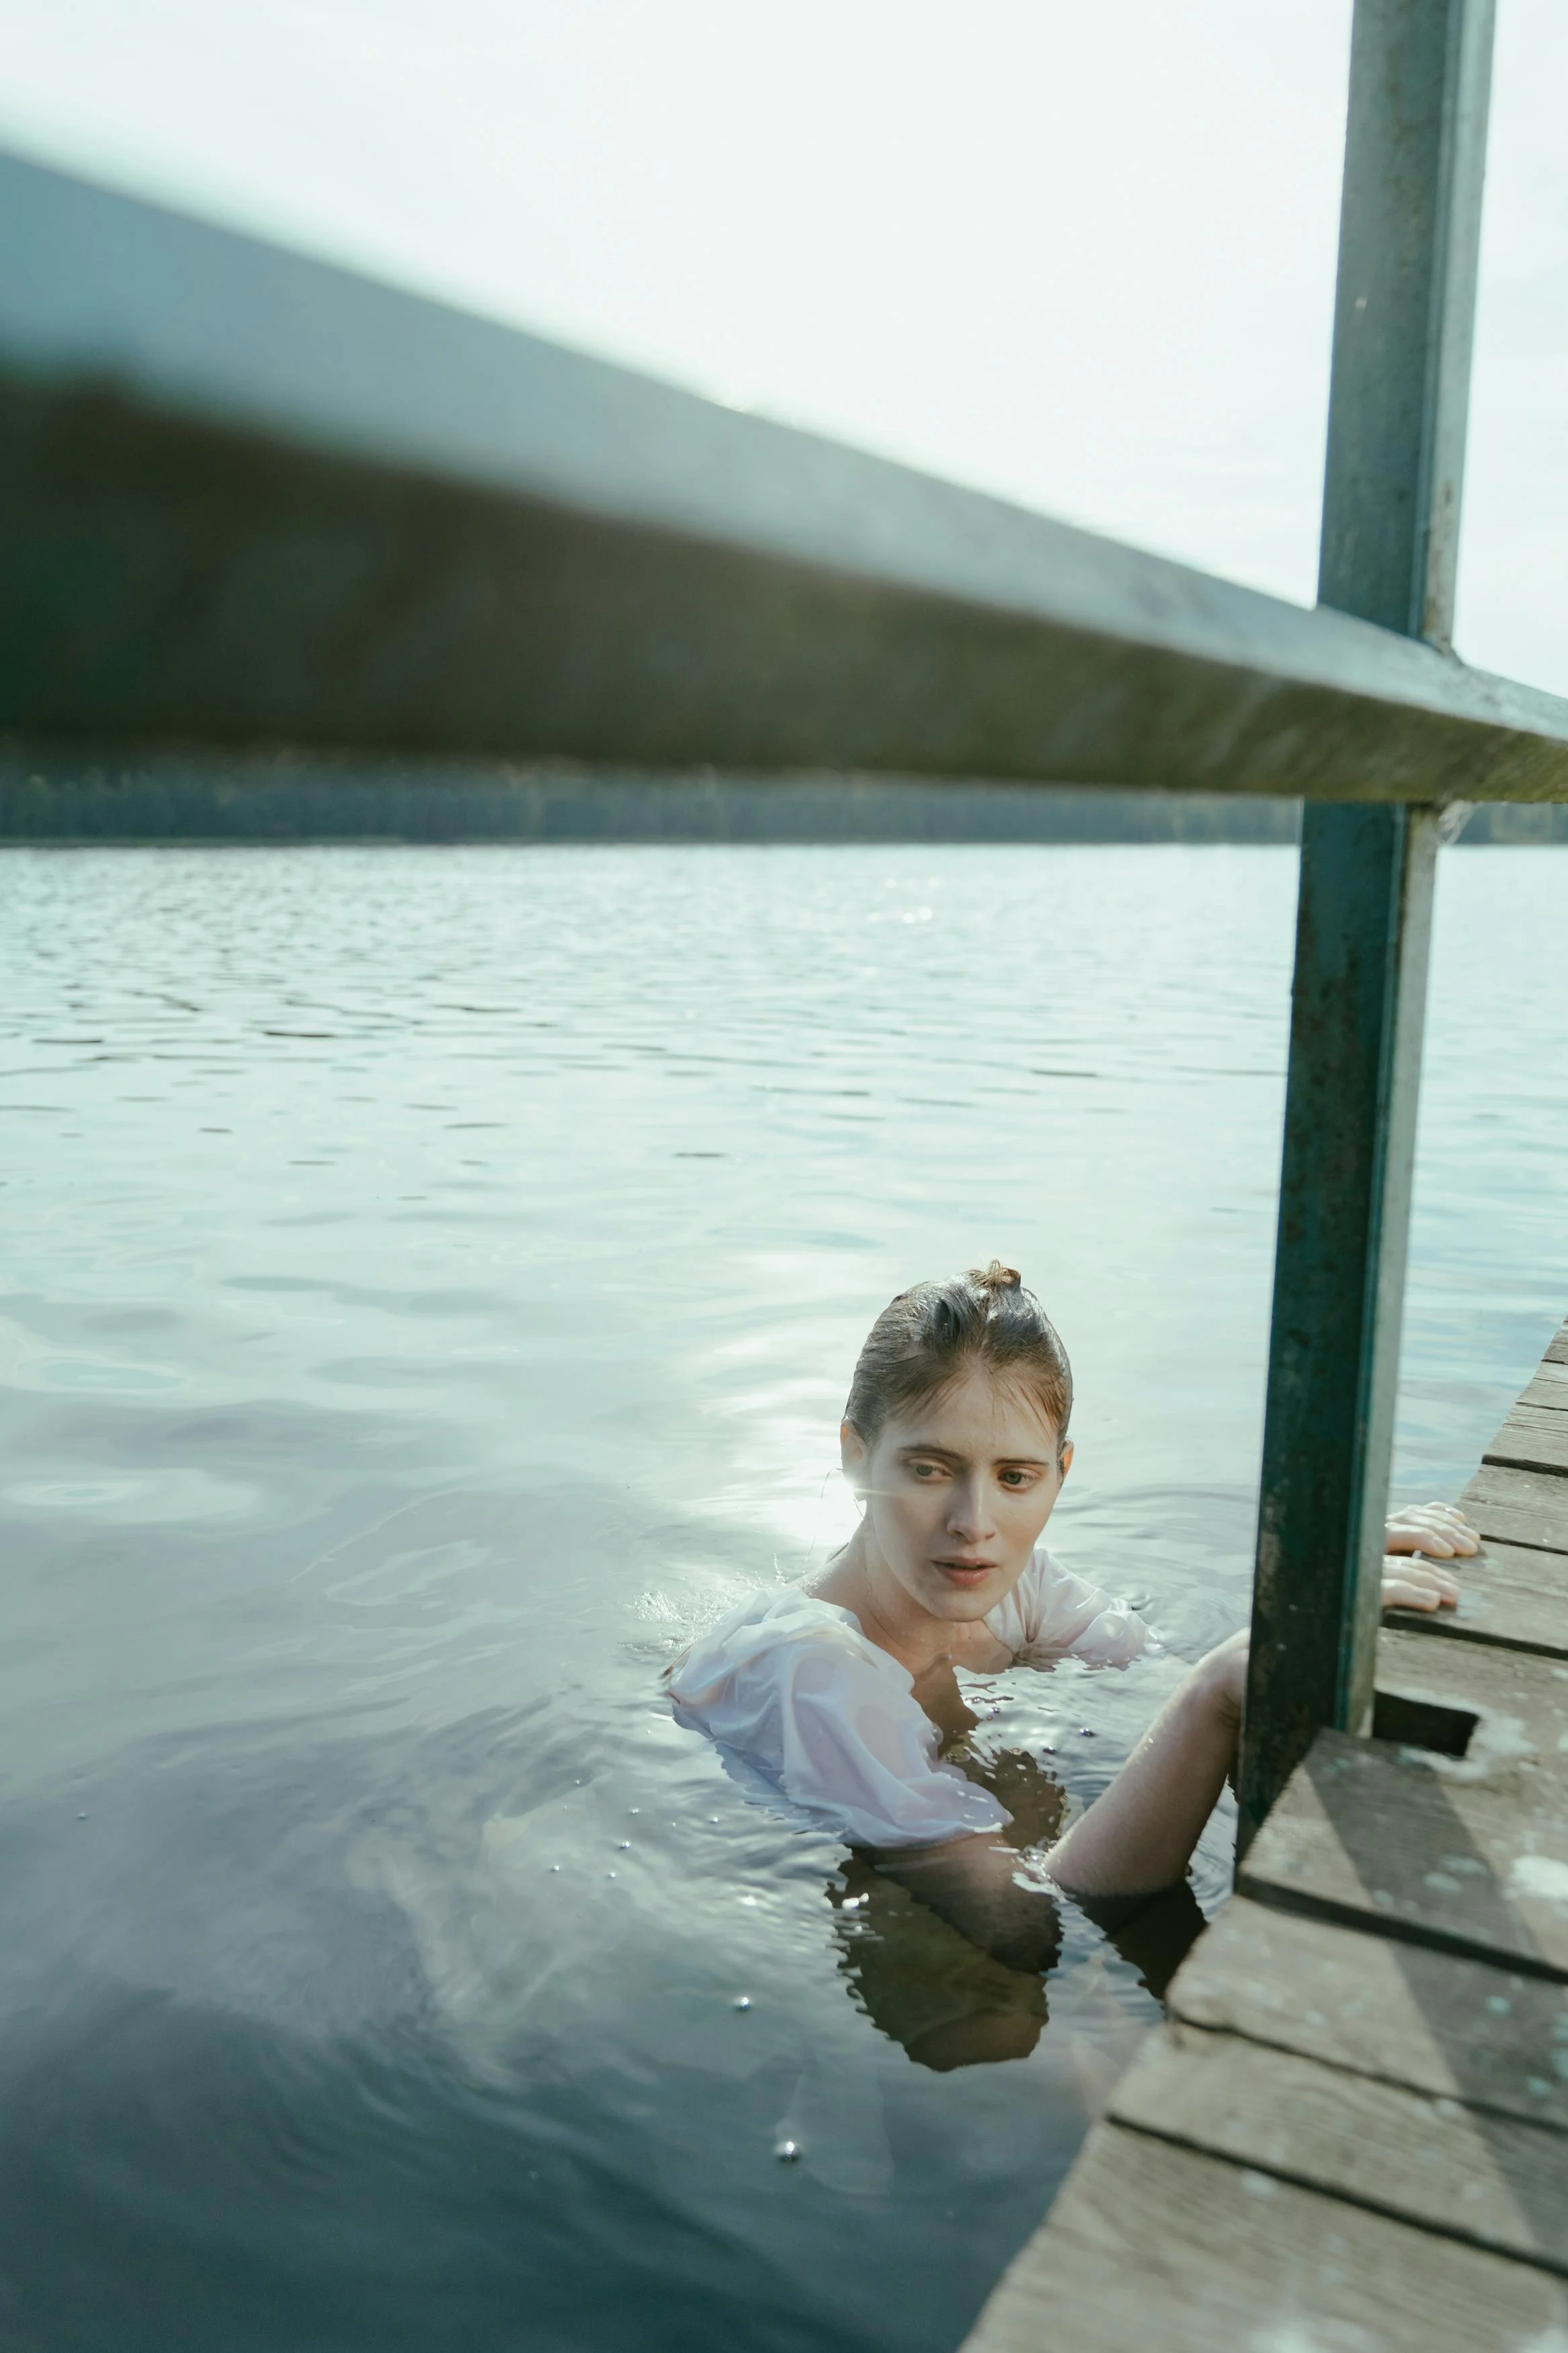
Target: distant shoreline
(186, 798)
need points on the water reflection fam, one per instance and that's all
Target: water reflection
(959, 1982)
(923, 1983)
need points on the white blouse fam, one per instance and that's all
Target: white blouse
(795, 1692)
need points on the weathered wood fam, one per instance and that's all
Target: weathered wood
(1557, 1352)
(1549, 1388)
(1522, 1507)
(1533, 1438)
(1469, 1853)
(1492, 2179)
(1153, 2247)
(1452, 2027)
(1512, 1595)
(1520, 1700)
(249, 499)
(1371, 1833)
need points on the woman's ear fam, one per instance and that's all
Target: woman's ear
(852, 1451)
(1064, 1458)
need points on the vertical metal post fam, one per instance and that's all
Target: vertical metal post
(1405, 310)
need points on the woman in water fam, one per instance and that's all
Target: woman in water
(841, 1694)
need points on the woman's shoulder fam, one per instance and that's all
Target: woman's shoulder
(1019, 1616)
(769, 1630)
(1050, 1611)
(790, 1686)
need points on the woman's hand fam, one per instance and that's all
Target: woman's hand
(1414, 1542)
(1437, 1529)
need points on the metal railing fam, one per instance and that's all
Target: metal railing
(251, 501)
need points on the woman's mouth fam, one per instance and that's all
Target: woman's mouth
(965, 1572)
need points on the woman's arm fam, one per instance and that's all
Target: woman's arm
(1135, 1841)
(1139, 1836)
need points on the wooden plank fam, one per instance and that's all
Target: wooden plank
(1467, 1853)
(1511, 1593)
(1521, 1702)
(1155, 2247)
(1524, 1507)
(1492, 2179)
(1371, 1833)
(1549, 1388)
(1557, 1353)
(1533, 1438)
(1452, 2027)
(251, 499)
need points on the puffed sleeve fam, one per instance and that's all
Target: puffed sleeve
(832, 1724)
(1061, 1616)
(858, 1756)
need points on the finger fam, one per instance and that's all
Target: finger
(1398, 1594)
(1420, 1570)
(1465, 1538)
(1403, 1590)
(1431, 1528)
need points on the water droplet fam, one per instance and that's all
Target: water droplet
(609, 1875)
(624, 1847)
(742, 2002)
(555, 1866)
(1086, 1732)
(81, 1818)
(714, 1820)
(787, 2151)
(634, 1810)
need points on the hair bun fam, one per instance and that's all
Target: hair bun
(996, 1277)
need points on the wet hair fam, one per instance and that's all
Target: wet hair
(927, 1339)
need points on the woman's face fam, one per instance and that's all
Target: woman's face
(957, 1491)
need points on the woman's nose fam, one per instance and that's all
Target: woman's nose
(968, 1514)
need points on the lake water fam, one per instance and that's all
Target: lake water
(433, 1278)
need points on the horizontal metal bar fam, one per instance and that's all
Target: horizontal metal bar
(248, 499)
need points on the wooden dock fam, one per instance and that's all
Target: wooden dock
(1351, 2137)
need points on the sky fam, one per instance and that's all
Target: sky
(1079, 255)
